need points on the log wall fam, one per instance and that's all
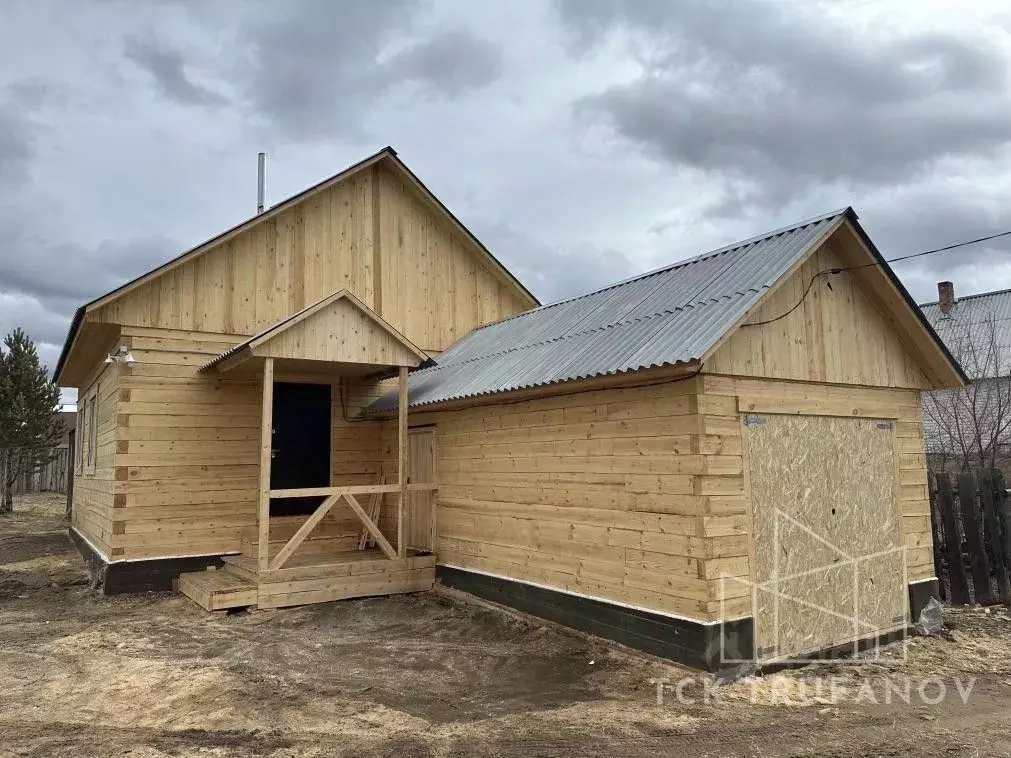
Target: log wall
(637, 494)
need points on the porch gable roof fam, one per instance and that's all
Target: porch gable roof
(340, 328)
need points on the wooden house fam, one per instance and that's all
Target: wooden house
(347, 395)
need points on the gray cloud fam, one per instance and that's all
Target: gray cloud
(347, 58)
(742, 117)
(16, 140)
(64, 275)
(447, 64)
(556, 273)
(776, 100)
(42, 325)
(167, 67)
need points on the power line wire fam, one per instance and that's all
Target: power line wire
(841, 269)
(931, 252)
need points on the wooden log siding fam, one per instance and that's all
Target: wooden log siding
(636, 495)
(183, 465)
(187, 462)
(94, 514)
(369, 230)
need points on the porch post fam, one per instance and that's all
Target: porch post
(402, 460)
(266, 429)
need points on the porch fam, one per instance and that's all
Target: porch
(336, 515)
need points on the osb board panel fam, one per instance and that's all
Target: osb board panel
(340, 333)
(836, 335)
(809, 399)
(828, 560)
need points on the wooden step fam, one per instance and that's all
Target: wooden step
(215, 590)
(334, 565)
(243, 566)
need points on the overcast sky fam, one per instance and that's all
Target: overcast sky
(583, 141)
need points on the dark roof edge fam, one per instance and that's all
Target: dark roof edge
(75, 324)
(883, 265)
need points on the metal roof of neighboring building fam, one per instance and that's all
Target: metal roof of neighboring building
(977, 331)
(664, 317)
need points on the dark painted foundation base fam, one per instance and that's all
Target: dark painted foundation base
(155, 575)
(710, 647)
(692, 643)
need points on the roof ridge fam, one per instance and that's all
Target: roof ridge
(678, 264)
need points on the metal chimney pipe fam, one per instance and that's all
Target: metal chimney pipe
(260, 157)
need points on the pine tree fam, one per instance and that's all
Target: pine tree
(30, 428)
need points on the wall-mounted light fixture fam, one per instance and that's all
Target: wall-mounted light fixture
(122, 356)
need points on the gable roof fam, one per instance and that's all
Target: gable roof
(387, 154)
(981, 321)
(393, 347)
(678, 314)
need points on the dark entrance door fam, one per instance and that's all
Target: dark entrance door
(301, 445)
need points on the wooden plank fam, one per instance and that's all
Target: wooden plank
(401, 459)
(381, 541)
(1003, 504)
(266, 443)
(974, 543)
(937, 535)
(358, 489)
(994, 537)
(285, 552)
(374, 511)
(957, 579)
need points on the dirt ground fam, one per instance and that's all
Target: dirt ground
(437, 675)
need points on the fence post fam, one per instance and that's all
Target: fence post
(937, 535)
(71, 439)
(957, 581)
(1002, 505)
(974, 542)
(994, 536)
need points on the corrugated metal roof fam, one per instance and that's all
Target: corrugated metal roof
(669, 316)
(977, 332)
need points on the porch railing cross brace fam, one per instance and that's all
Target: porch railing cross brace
(318, 515)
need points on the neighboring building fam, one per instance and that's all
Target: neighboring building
(69, 420)
(970, 426)
(647, 462)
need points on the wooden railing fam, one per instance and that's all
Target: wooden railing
(333, 495)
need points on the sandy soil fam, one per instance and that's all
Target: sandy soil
(152, 676)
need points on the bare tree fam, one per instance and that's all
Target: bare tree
(971, 425)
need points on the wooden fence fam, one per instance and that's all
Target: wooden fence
(971, 519)
(50, 478)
